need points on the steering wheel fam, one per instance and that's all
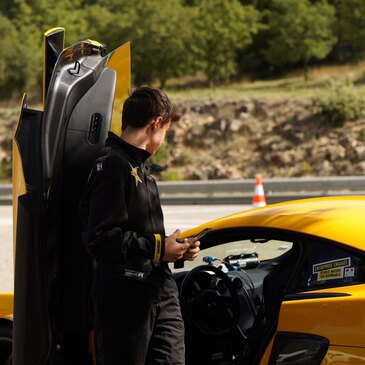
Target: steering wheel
(210, 308)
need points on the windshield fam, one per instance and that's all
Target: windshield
(235, 250)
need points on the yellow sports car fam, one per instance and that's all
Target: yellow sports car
(282, 284)
(289, 287)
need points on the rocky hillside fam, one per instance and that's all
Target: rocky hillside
(240, 138)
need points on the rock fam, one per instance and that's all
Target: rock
(220, 125)
(343, 168)
(261, 110)
(359, 168)
(234, 125)
(212, 134)
(243, 116)
(326, 168)
(360, 152)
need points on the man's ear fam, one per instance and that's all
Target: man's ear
(156, 123)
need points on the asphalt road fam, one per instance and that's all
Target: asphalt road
(176, 217)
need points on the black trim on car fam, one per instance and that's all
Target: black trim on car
(298, 348)
(302, 296)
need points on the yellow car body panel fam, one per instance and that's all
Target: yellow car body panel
(340, 319)
(336, 355)
(318, 217)
(6, 306)
(266, 356)
(51, 30)
(120, 62)
(341, 355)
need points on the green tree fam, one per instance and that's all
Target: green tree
(101, 24)
(7, 7)
(12, 76)
(221, 28)
(350, 28)
(159, 33)
(301, 31)
(29, 19)
(21, 57)
(69, 14)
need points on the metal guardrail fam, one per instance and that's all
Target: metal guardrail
(5, 194)
(241, 191)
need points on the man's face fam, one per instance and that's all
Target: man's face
(158, 133)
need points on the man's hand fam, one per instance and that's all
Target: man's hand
(193, 250)
(174, 250)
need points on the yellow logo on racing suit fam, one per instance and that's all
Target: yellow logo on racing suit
(134, 173)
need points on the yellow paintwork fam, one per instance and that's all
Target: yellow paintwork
(336, 218)
(266, 357)
(6, 305)
(55, 29)
(341, 355)
(336, 355)
(19, 187)
(95, 43)
(340, 319)
(120, 62)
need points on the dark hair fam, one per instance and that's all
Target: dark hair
(145, 103)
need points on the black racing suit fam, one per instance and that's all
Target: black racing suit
(137, 311)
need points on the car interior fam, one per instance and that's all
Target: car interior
(230, 301)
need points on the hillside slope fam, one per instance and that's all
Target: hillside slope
(241, 137)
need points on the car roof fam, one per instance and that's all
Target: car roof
(339, 218)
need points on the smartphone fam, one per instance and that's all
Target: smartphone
(198, 236)
(179, 264)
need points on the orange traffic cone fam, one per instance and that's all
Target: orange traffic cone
(259, 199)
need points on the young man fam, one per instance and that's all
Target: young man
(138, 318)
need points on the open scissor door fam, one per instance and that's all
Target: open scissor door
(30, 304)
(32, 332)
(53, 272)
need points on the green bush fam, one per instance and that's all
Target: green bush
(171, 175)
(343, 103)
(163, 154)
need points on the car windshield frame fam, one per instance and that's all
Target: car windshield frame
(302, 240)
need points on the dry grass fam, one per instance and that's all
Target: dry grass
(354, 70)
(292, 85)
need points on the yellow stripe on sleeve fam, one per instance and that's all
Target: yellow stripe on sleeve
(158, 244)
